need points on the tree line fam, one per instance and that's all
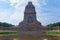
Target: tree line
(54, 24)
(5, 24)
(10, 25)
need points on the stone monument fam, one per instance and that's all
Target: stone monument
(30, 28)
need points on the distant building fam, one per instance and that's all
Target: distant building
(8, 28)
(53, 28)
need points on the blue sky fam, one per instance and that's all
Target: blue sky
(12, 11)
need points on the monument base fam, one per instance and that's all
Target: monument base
(31, 35)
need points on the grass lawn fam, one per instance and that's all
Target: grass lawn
(54, 32)
(7, 32)
(10, 32)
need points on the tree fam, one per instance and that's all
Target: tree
(54, 24)
(6, 24)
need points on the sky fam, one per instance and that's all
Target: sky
(12, 11)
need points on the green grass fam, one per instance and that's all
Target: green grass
(54, 32)
(10, 32)
(7, 32)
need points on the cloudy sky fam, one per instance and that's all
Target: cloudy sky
(12, 11)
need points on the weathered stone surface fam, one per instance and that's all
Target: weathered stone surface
(30, 28)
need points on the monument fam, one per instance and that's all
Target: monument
(30, 28)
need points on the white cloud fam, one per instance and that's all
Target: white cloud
(5, 16)
(44, 2)
(44, 18)
(18, 14)
(16, 17)
(2, 0)
(20, 5)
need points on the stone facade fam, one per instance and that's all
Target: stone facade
(30, 22)
(30, 28)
